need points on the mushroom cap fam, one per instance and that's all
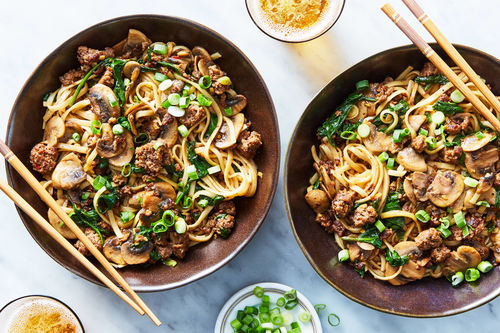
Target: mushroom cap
(361, 251)
(112, 250)
(411, 270)
(54, 129)
(480, 162)
(63, 229)
(416, 121)
(227, 137)
(408, 248)
(409, 191)
(461, 259)
(318, 200)
(237, 103)
(473, 143)
(495, 238)
(201, 53)
(99, 96)
(151, 200)
(411, 160)
(134, 39)
(127, 154)
(134, 254)
(446, 188)
(420, 182)
(377, 142)
(68, 173)
(170, 133)
(132, 69)
(109, 145)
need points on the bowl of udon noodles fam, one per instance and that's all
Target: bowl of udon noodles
(391, 182)
(159, 138)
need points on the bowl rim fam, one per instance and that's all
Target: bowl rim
(275, 178)
(463, 309)
(295, 41)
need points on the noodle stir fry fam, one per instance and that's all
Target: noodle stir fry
(407, 180)
(145, 145)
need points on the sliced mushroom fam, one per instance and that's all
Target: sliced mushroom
(182, 58)
(398, 280)
(420, 182)
(377, 142)
(70, 128)
(237, 103)
(318, 200)
(57, 223)
(446, 188)
(169, 133)
(53, 130)
(152, 199)
(99, 97)
(200, 52)
(112, 250)
(68, 173)
(136, 199)
(132, 70)
(409, 191)
(473, 142)
(227, 138)
(489, 196)
(458, 205)
(361, 251)
(481, 162)
(416, 121)
(465, 257)
(110, 145)
(411, 160)
(412, 270)
(136, 252)
(495, 238)
(127, 154)
(133, 43)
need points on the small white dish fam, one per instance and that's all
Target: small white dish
(245, 297)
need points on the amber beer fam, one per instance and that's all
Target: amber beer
(294, 20)
(38, 314)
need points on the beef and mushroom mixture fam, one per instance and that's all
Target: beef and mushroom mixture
(407, 181)
(146, 145)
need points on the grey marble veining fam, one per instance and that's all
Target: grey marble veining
(293, 73)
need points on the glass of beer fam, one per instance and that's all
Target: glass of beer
(294, 21)
(40, 314)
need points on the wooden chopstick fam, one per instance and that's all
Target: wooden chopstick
(440, 64)
(21, 203)
(13, 160)
(452, 52)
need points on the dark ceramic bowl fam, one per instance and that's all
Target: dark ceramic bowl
(424, 298)
(24, 131)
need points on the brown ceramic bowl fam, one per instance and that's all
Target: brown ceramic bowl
(24, 131)
(424, 298)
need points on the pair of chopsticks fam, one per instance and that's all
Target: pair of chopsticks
(137, 303)
(440, 64)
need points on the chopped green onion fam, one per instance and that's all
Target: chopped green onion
(457, 278)
(203, 100)
(192, 172)
(445, 233)
(127, 170)
(437, 117)
(165, 104)
(95, 127)
(319, 307)
(141, 138)
(184, 102)
(422, 216)
(399, 134)
(203, 203)
(440, 130)
(225, 80)
(183, 131)
(99, 182)
(174, 99)
(126, 216)
(423, 132)
(180, 226)
(431, 141)
(460, 220)
(291, 304)
(117, 129)
(457, 96)
(348, 135)
(290, 295)
(304, 317)
(333, 320)
(380, 226)
(484, 266)
(471, 274)
(445, 222)
(277, 319)
(281, 302)
(165, 84)
(205, 82)
(265, 300)
(251, 310)
(343, 255)
(258, 291)
(483, 203)
(160, 77)
(160, 48)
(228, 111)
(61, 224)
(157, 145)
(362, 85)
(236, 324)
(364, 130)
(465, 231)
(471, 182)
(213, 169)
(264, 317)
(76, 137)
(171, 215)
(383, 156)
(275, 311)
(170, 262)
(85, 195)
(390, 163)
(479, 135)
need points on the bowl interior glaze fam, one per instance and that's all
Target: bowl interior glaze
(24, 131)
(424, 298)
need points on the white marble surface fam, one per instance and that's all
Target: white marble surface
(293, 73)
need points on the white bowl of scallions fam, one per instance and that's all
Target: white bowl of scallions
(268, 307)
